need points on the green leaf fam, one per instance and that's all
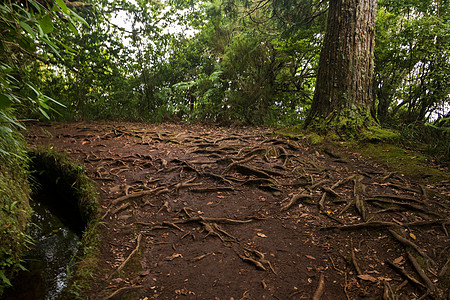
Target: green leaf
(79, 18)
(52, 46)
(73, 29)
(5, 280)
(62, 5)
(53, 100)
(4, 101)
(36, 6)
(28, 29)
(56, 8)
(68, 49)
(46, 24)
(22, 267)
(44, 113)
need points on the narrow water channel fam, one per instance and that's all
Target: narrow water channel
(49, 260)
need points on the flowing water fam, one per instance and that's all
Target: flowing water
(49, 260)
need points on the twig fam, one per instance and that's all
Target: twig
(322, 201)
(346, 207)
(334, 266)
(388, 293)
(319, 183)
(330, 191)
(444, 269)
(346, 286)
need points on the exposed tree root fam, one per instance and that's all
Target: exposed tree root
(157, 190)
(407, 242)
(246, 170)
(138, 244)
(362, 210)
(405, 275)
(213, 189)
(215, 220)
(294, 200)
(320, 288)
(380, 224)
(259, 260)
(354, 261)
(407, 206)
(117, 292)
(421, 272)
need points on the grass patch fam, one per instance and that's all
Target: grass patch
(396, 158)
(55, 171)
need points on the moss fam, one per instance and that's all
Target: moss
(377, 143)
(56, 171)
(15, 210)
(396, 158)
(296, 131)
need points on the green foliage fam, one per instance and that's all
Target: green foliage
(412, 81)
(14, 214)
(25, 29)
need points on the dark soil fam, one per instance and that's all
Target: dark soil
(204, 212)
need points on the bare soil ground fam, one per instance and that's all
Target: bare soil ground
(204, 212)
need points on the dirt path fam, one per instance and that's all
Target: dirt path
(195, 212)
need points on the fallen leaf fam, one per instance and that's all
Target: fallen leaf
(398, 260)
(412, 236)
(367, 278)
(209, 203)
(384, 278)
(261, 235)
(310, 257)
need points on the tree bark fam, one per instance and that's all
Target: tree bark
(344, 80)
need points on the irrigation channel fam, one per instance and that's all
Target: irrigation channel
(49, 259)
(56, 227)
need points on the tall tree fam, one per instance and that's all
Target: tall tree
(343, 91)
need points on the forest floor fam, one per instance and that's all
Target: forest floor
(205, 212)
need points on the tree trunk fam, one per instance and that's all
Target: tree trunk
(343, 90)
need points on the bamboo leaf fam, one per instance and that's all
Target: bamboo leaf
(62, 5)
(46, 24)
(5, 102)
(28, 29)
